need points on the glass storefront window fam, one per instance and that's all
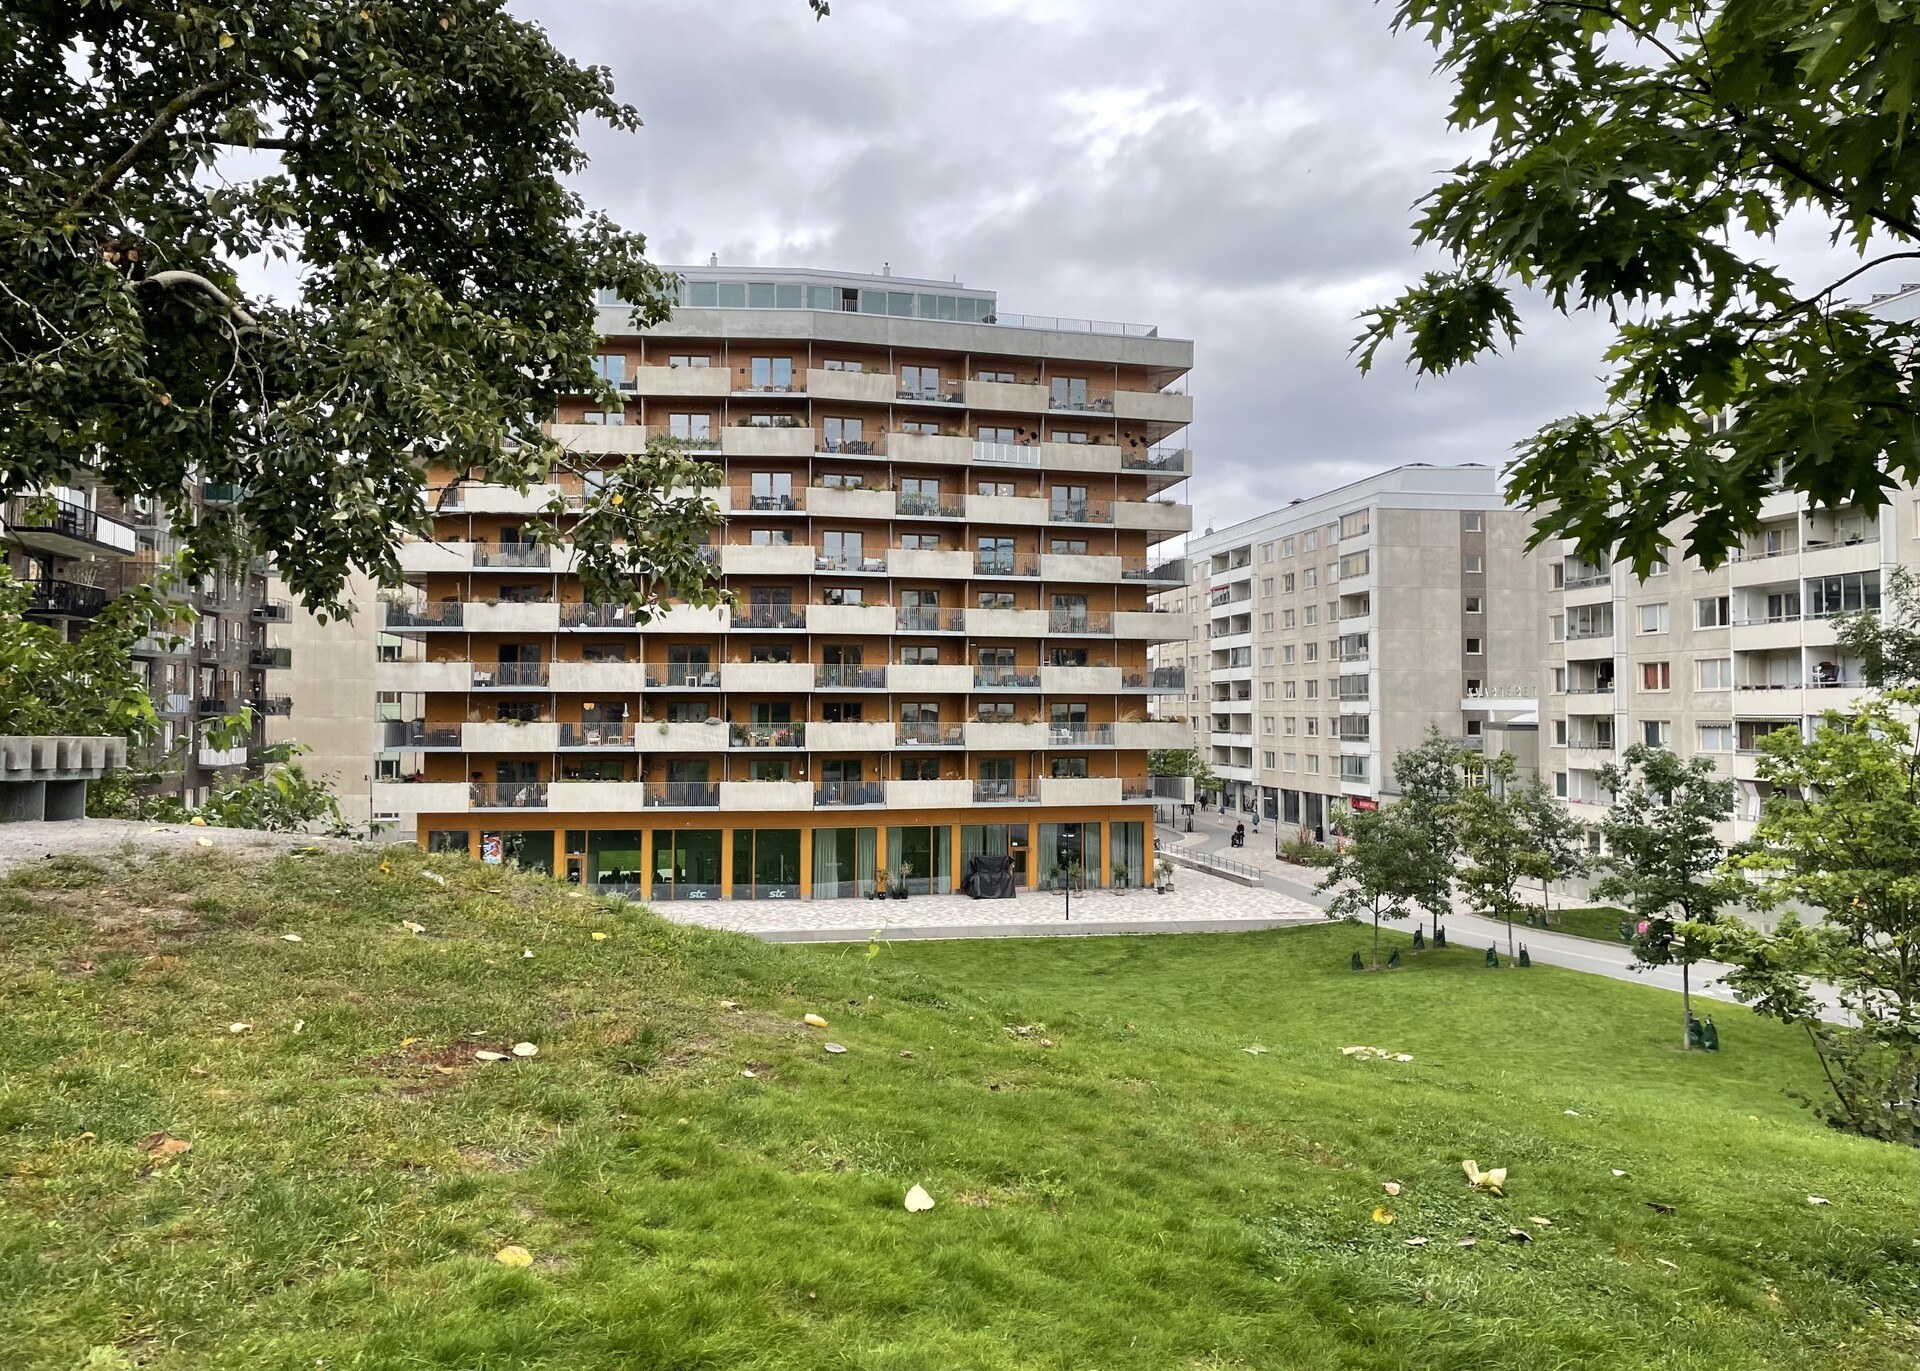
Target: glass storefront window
(766, 864)
(843, 862)
(686, 866)
(613, 859)
(1130, 851)
(1070, 851)
(920, 856)
(450, 840)
(1008, 838)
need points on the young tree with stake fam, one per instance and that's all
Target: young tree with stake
(1382, 871)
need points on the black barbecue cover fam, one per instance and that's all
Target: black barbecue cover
(989, 876)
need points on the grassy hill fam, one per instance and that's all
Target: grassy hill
(1117, 1182)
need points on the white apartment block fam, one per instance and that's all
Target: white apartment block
(1327, 636)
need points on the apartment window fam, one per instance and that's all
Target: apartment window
(1354, 564)
(1656, 676)
(1071, 436)
(997, 488)
(1266, 724)
(1715, 611)
(996, 599)
(1313, 765)
(1266, 690)
(1289, 761)
(1472, 605)
(1286, 618)
(1312, 614)
(1473, 647)
(1266, 586)
(1560, 784)
(1286, 655)
(1286, 547)
(1557, 628)
(920, 542)
(771, 537)
(1313, 728)
(1313, 652)
(1354, 524)
(1286, 583)
(1560, 732)
(1067, 547)
(1659, 568)
(1289, 690)
(1655, 619)
(919, 383)
(689, 427)
(1310, 578)
(842, 595)
(1469, 523)
(844, 435)
(920, 656)
(1353, 768)
(1004, 378)
(1311, 541)
(610, 367)
(1266, 656)
(1266, 623)
(772, 373)
(1715, 673)
(1290, 725)
(1266, 760)
(1829, 595)
(1716, 737)
(1266, 552)
(1313, 692)
(1471, 564)
(1655, 732)
(924, 427)
(692, 359)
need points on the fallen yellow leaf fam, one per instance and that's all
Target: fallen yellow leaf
(513, 1255)
(599, 937)
(814, 1021)
(163, 1147)
(1383, 1215)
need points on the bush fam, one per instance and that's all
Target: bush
(1306, 852)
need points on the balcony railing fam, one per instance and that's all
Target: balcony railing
(1005, 678)
(1079, 512)
(929, 505)
(1085, 404)
(222, 492)
(406, 733)
(682, 795)
(1167, 678)
(216, 706)
(1140, 569)
(770, 617)
(767, 502)
(279, 706)
(835, 794)
(596, 735)
(1004, 564)
(946, 393)
(1583, 580)
(510, 674)
(767, 735)
(850, 677)
(1137, 788)
(69, 599)
(1155, 459)
(930, 735)
(1079, 621)
(1577, 634)
(270, 658)
(272, 612)
(508, 794)
(823, 561)
(1004, 792)
(1753, 620)
(52, 514)
(682, 675)
(931, 620)
(1079, 735)
(1007, 454)
(597, 616)
(513, 555)
(446, 614)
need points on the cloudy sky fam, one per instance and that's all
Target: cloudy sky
(1239, 172)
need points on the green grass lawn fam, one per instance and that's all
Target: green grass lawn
(1120, 1185)
(1601, 921)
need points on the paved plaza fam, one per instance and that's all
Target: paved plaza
(1198, 903)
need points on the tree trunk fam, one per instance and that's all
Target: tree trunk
(1686, 1008)
(1376, 939)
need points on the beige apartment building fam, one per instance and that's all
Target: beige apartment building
(1324, 637)
(943, 525)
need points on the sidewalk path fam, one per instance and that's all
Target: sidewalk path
(1198, 903)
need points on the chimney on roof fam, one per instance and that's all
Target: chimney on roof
(886, 268)
(713, 259)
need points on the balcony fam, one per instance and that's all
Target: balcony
(1056, 566)
(864, 387)
(1006, 678)
(271, 612)
(997, 736)
(923, 678)
(1027, 511)
(1177, 789)
(930, 735)
(507, 794)
(513, 616)
(767, 735)
(932, 564)
(1080, 623)
(510, 676)
(1150, 734)
(1079, 735)
(770, 617)
(1153, 406)
(1008, 395)
(782, 796)
(1079, 512)
(503, 735)
(876, 620)
(749, 501)
(841, 502)
(413, 797)
(212, 757)
(767, 440)
(1092, 680)
(216, 706)
(937, 795)
(909, 620)
(846, 563)
(1174, 678)
(1005, 455)
(845, 794)
(270, 658)
(766, 678)
(412, 735)
(222, 492)
(1166, 460)
(66, 600)
(840, 677)
(683, 676)
(681, 795)
(937, 449)
(854, 736)
(1005, 564)
(1004, 793)
(66, 527)
(775, 559)
(1080, 790)
(1154, 516)
(597, 616)
(423, 677)
(513, 555)
(271, 706)
(1170, 572)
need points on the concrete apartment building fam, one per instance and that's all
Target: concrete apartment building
(1709, 662)
(1326, 636)
(943, 526)
(80, 547)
